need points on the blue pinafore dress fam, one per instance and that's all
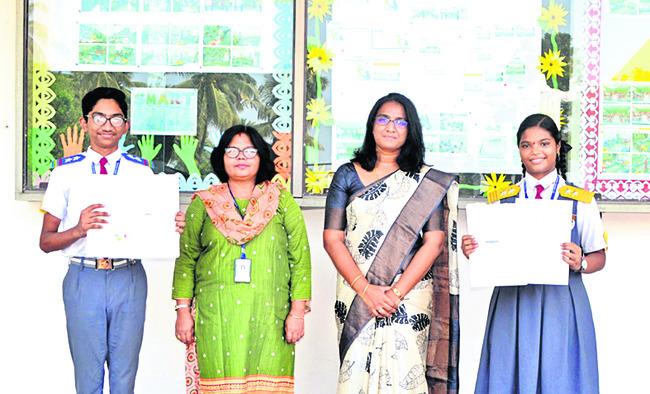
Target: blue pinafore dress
(540, 338)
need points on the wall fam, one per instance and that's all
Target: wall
(35, 353)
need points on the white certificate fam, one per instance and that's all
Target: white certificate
(141, 215)
(519, 243)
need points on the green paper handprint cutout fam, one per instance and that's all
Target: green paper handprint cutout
(186, 152)
(147, 150)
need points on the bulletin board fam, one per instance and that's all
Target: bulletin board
(190, 70)
(474, 72)
(615, 120)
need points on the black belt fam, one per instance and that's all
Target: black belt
(102, 263)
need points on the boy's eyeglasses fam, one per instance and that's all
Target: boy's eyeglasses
(100, 119)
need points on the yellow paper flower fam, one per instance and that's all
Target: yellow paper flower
(316, 181)
(319, 59)
(319, 9)
(493, 182)
(318, 111)
(551, 64)
(552, 17)
(563, 118)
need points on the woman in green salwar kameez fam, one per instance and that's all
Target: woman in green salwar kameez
(244, 260)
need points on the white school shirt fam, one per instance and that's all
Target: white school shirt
(55, 201)
(590, 226)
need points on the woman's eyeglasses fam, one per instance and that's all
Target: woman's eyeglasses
(384, 120)
(233, 152)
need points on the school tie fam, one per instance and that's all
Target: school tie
(102, 166)
(540, 189)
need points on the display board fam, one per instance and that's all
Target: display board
(190, 69)
(475, 70)
(616, 116)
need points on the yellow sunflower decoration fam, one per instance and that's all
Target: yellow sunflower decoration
(551, 64)
(319, 9)
(318, 112)
(319, 59)
(553, 17)
(493, 182)
(316, 180)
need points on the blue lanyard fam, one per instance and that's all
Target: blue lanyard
(557, 182)
(117, 167)
(234, 200)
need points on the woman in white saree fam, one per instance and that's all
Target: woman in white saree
(390, 231)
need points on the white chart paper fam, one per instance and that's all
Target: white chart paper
(519, 243)
(141, 222)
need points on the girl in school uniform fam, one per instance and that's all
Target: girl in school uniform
(540, 338)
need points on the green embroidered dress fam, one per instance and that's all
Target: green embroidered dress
(239, 327)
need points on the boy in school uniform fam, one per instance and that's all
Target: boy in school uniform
(104, 298)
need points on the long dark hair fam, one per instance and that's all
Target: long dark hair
(546, 123)
(411, 155)
(266, 171)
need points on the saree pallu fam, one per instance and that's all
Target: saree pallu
(416, 349)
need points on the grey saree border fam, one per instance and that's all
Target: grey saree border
(409, 223)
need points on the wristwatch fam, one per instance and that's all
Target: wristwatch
(583, 265)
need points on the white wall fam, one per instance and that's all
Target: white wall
(34, 351)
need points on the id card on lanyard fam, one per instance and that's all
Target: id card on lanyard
(242, 264)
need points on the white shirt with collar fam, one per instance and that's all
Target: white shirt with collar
(55, 201)
(590, 225)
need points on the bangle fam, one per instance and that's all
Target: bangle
(181, 306)
(363, 293)
(296, 317)
(397, 293)
(355, 280)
